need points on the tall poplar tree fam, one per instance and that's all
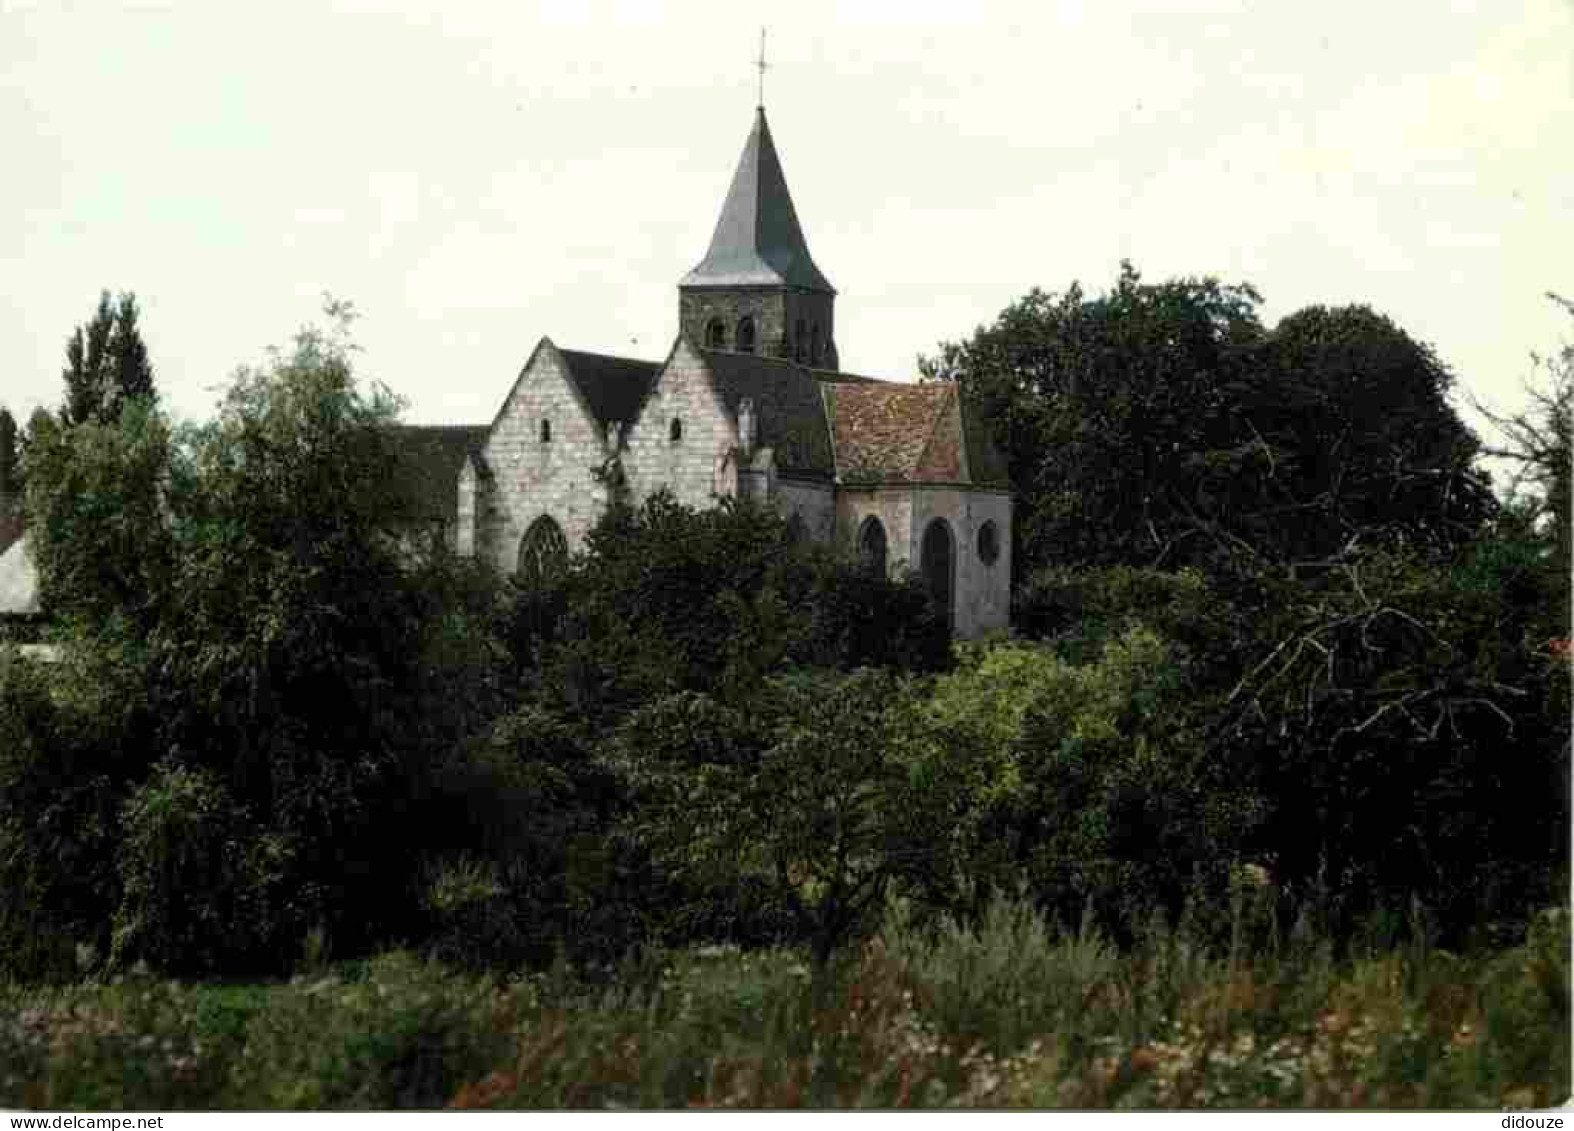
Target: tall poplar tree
(10, 470)
(10, 482)
(106, 363)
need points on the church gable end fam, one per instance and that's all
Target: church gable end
(541, 452)
(685, 435)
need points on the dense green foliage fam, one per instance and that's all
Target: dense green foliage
(830, 793)
(1358, 630)
(107, 363)
(1411, 726)
(10, 456)
(1161, 424)
(1096, 792)
(247, 680)
(1364, 713)
(669, 598)
(648, 680)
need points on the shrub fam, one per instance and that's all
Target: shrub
(862, 619)
(518, 859)
(199, 880)
(1207, 621)
(671, 599)
(62, 782)
(1091, 785)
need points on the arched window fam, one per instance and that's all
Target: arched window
(746, 334)
(814, 345)
(937, 559)
(800, 341)
(546, 431)
(543, 553)
(715, 334)
(871, 546)
(988, 544)
(675, 431)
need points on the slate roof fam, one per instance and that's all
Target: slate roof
(789, 413)
(18, 581)
(758, 240)
(613, 387)
(430, 460)
(885, 432)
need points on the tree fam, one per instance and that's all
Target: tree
(1093, 787)
(106, 363)
(1101, 407)
(1539, 442)
(831, 796)
(1405, 721)
(1357, 440)
(1160, 424)
(669, 598)
(253, 660)
(95, 508)
(10, 482)
(10, 466)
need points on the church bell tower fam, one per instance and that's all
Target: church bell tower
(757, 290)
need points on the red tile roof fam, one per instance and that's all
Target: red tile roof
(886, 432)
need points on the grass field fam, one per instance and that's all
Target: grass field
(1013, 1015)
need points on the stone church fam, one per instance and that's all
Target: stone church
(750, 401)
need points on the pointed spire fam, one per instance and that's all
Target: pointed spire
(760, 63)
(758, 241)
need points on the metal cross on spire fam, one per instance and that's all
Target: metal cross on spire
(760, 63)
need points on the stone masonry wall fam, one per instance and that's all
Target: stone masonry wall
(776, 312)
(764, 305)
(813, 502)
(530, 478)
(983, 592)
(812, 308)
(697, 467)
(893, 506)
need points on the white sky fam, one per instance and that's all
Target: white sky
(473, 176)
